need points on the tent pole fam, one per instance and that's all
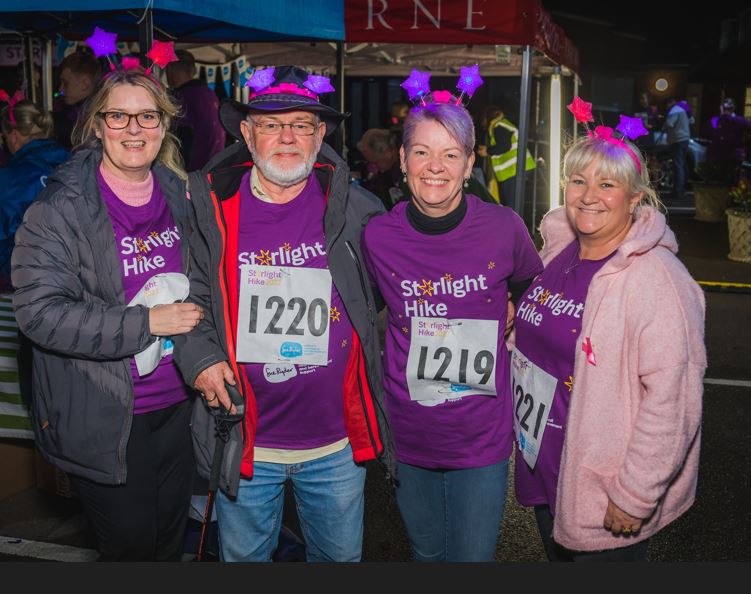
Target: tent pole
(340, 88)
(145, 35)
(47, 74)
(526, 84)
(28, 63)
(536, 154)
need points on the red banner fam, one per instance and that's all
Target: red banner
(463, 22)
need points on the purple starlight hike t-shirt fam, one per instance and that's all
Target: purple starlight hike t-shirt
(148, 243)
(548, 326)
(446, 366)
(300, 406)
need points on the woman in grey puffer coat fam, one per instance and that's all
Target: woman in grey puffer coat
(99, 270)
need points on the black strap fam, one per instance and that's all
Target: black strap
(222, 436)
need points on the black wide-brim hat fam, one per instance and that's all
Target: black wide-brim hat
(232, 112)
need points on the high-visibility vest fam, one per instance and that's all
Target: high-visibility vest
(504, 165)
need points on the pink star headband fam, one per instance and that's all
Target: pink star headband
(417, 86)
(631, 128)
(11, 101)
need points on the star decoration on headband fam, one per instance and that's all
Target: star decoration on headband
(417, 85)
(319, 84)
(581, 109)
(102, 43)
(442, 96)
(161, 53)
(469, 79)
(129, 62)
(604, 132)
(632, 128)
(261, 79)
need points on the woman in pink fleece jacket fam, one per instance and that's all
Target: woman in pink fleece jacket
(608, 365)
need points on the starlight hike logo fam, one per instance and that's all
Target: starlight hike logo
(139, 248)
(284, 255)
(424, 289)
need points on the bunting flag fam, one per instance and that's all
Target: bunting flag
(211, 77)
(226, 73)
(61, 45)
(14, 415)
(245, 71)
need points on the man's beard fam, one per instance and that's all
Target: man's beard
(284, 176)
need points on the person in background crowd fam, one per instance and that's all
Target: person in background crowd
(383, 172)
(79, 75)
(650, 117)
(197, 127)
(290, 321)
(677, 126)
(608, 365)
(399, 111)
(442, 263)
(728, 133)
(98, 270)
(26, 131)
(502, 138)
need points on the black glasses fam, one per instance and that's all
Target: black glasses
(118, 120)
(275, 128)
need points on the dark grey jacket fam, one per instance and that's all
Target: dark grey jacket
(70, 303)
(348, 210)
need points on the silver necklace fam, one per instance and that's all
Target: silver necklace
(571, 265)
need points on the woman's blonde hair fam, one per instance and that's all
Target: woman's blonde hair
(84, 134)
(614, 162)
(31, 121)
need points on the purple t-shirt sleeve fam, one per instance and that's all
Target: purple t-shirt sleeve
(527, 262)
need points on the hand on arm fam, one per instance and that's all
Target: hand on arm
(174, 318)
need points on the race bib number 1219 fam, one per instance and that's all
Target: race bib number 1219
(451, 358)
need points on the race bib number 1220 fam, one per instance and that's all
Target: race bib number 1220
(283, 315)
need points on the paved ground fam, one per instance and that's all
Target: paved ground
(718, 526)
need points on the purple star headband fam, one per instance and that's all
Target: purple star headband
(418, 90)
(262, 82)
(11, 100)
(631, 128)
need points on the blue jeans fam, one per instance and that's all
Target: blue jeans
(329, 495)
(679, 150)
(452, 515)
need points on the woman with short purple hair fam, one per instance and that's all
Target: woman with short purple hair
(442, 263)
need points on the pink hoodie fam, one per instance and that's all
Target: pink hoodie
(634, 422)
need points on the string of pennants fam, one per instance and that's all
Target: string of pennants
(238, 70)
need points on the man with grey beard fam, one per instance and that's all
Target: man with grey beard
(289, 321)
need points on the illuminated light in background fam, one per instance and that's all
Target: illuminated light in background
(661, 85)
(554, 179)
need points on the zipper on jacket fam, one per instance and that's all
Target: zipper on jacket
(363, 286)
